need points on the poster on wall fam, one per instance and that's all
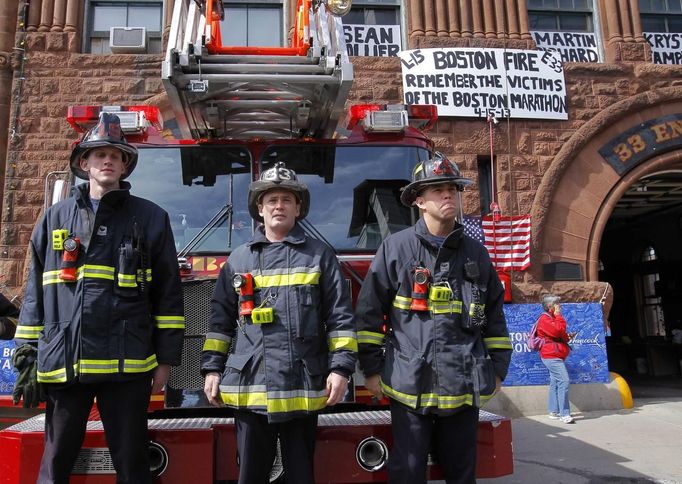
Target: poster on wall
(372, 40)
(587, 362)
(7, 375)
(666, 48)
(469, 82)
(571, 46)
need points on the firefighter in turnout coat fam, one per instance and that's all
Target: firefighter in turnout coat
(431, 332)
(103, 307)
(281, 343)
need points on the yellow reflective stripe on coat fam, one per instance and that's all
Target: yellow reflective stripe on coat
(51, 277)
(292, 279)
(436, 307)
(93, 271)
(148, 272)
(405, 398)
(402, 302)
(476, 309)
(255, 396)
(170, 322)
(498, 343)
(445, 401)
(371, 338)
(126, 280)
(342, 340)
(97, 272)
(139, 366)
(216, 345)
(54, 376)
(98, 366)
(28, 332)
(447, 307)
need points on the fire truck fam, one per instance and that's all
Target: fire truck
(237, 111)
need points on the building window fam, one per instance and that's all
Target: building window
(661, 15)
(104, 15)
(649, 254)
(372, 28)
(560, 15)
(253, 24)
(485, 180)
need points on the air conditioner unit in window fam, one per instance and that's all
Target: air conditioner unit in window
(128, 40)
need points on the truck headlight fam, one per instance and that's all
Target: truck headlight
(338, 7)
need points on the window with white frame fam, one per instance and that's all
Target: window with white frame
(661, 15)
(372, 28)
(102, 15)
(560, 15)
(248, 23)
(565, 27)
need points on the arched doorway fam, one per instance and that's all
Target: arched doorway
(583, 214)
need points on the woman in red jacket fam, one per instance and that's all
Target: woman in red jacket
(552, 327)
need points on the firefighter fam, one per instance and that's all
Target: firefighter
(281, 343)
(8, 318)
(103, 308)
(431, 332)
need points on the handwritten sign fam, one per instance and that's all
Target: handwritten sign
(372, 40)
(7, 375)
(666, 48)
(481, 82)
(587, 362)
(571, 46)
(640, 142)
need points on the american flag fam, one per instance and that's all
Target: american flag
(507, 241)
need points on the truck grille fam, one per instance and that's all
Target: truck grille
(197, 297)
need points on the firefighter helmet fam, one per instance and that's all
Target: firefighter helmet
(107, 132)
(435, 170)
(282, 178)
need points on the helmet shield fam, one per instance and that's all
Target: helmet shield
(437, 169)
(278, 177)
(107, 132)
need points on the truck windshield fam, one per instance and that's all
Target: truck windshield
(354, 190)
(194, 184)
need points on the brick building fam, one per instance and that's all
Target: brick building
(594, 220)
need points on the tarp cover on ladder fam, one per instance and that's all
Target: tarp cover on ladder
(225, 92)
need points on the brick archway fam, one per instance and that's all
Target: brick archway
(579, 190)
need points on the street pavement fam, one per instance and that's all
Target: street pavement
(636, 446)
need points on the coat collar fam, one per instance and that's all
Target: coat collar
(452, 240)
(82, 194)
(296, 236)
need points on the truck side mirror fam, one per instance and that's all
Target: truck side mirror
(57, 186)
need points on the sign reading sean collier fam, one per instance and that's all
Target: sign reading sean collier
(481, 82)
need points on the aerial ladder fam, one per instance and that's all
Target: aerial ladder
(221, 92)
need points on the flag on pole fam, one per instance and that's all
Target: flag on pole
(472, 228)
(508, 241)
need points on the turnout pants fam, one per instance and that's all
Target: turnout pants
(257, 446)
(123, 408)
(454, 438)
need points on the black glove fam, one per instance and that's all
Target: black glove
(25, 361)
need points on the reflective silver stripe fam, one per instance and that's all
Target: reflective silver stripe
(243, 389)
(290, 270)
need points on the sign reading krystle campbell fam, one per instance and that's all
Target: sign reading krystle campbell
(479, 82)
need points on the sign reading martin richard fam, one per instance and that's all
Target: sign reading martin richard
(587, 362)
(571, 46)
(641, 142)
(473, 82)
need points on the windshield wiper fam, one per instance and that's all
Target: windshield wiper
(220, 216)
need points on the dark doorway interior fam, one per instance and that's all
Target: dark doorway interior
(641, 257)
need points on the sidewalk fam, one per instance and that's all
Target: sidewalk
(636, 446)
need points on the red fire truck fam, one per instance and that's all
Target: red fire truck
(237, 111)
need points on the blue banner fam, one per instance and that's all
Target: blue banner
(7, 375)
(587, 362)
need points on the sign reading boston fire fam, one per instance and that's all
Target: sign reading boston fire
(480, 82)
